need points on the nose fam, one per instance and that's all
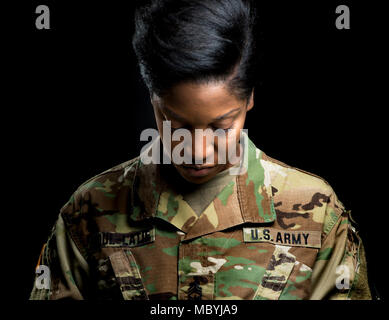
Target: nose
(202, 147)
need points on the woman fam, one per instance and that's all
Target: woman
(194, 228)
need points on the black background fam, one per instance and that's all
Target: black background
(79, 106)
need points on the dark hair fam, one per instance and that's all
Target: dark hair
(197, 41)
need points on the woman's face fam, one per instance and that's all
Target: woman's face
(202, 106)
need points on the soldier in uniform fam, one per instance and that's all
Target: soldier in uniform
(146, 230)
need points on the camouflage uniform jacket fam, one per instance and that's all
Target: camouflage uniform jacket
(274, 232)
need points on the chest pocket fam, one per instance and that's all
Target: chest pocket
(276, 275)
(127, 275)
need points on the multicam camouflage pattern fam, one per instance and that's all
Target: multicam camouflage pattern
(277, 273)
(127, 275)
(127, 234)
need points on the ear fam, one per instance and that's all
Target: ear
(251, 101)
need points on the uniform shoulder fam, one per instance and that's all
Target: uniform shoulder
(105, 194)
(105, 184)
(303, 190)
(281, 171)
(115, 176)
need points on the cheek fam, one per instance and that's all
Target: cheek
(174, 143)
(158, 120)
(239, 123)
(227, 146)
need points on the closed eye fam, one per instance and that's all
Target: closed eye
(225, 129)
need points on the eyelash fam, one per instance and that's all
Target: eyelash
(225, 129)
(213, 128)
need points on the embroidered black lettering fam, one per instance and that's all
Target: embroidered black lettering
(109, 239)
(279, 237)
(283, 237)
(105, 238)
(132, 239)
(306, 235)
(118, 238)
(296, 238)
(127, 240)
(266, 234)
(286, 238)
(145, 236)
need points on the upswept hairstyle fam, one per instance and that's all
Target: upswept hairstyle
(197, 41)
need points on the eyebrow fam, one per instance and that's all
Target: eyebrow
(226, 114)
(171, 113)
(175, 115)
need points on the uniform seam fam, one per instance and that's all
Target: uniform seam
(333, 224)
(241, 199)
(283, 164)
(133, 183)
(112, 170)
(215, 278)
(75, 237)
(332, 228)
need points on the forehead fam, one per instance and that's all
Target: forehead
(194, 101)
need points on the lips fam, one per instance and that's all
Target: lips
(198, 167)
(197, 171)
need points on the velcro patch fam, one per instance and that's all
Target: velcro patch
(131, 239)
(284, 237)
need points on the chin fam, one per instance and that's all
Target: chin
(197, 180)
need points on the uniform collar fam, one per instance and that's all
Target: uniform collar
(246, 199)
